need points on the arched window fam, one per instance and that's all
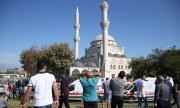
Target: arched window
(75, 73)
(126, 66)
(122, 67)
(114, 66)
(84, 71)
(119, 67)
(94, 70)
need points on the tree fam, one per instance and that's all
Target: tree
(59, 58)
(169, 63)
(166, 61)
(28, 59)
(142, 66)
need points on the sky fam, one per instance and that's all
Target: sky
(137, 25)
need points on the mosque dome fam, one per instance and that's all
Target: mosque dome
(100, 38)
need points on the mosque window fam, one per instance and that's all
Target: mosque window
(111, 67)
(119, 67)
(113, 75)
(75, 73)
(94, 70)
(114, 66)
(126, 66)
(122, 67)
(84, 71)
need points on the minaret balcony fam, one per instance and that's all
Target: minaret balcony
(76, 38)
(105, 23)
(76, 26)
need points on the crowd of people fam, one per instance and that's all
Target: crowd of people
(47, 93)
(11, 89)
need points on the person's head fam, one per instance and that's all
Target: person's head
(89, 75)
(143, 77)
(165, 76)
(107, 79)
(159, 79)
(121, 74)
(41, 64)
(67, 72)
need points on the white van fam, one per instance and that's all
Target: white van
(76, 89)
(131, 92)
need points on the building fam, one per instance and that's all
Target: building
(103, 55)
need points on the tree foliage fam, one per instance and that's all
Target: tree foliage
(168, 62)
(159, 62)
(58, 57)
(141, 66)
(28, 59)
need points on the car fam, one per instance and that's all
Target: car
(2, 89)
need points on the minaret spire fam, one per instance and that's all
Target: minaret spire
(76, 36)
(105, 25)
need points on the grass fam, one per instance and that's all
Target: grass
(12, 103)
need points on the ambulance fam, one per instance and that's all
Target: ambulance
(76, 90)
(131, 91)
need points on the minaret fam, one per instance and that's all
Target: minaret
(76, 36)
(105, 25)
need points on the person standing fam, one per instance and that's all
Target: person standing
(161, 95)
(117, 86)
(43, 83)
(166, 81)
(107, 93)
(14, 91)
(89, 88)
(9, 90)
(141, 93)
(64, 89)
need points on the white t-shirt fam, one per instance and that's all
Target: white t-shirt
(139, 84)
(42, 84)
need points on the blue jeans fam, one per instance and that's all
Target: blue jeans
(140, 102)
(46, 106)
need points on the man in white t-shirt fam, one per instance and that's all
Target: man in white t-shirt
(43, 83)
(141, 93)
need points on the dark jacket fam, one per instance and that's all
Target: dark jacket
(162, 92)
(65, 85)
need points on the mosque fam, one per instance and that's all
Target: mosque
(103, 55)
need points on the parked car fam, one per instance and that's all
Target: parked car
(2, 89)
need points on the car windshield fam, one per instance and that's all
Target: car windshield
(130, 87)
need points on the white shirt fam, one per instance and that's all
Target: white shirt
(42, 84)
(139, 84)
